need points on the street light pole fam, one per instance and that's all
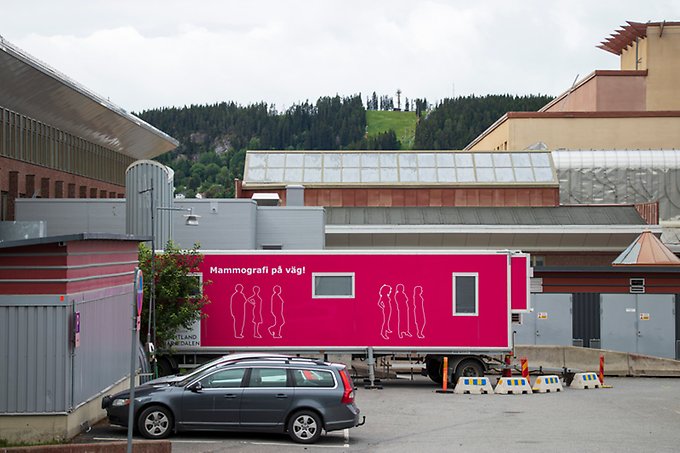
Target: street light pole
(151, 322)
(191, 220)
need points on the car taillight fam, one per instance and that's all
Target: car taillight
(348, 393)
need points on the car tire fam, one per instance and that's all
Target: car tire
(305, 427)
(155, 422)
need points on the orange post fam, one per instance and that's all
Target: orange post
(445, 377)
(601, 374)
(525, 367)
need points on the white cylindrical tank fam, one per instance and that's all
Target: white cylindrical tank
(149, 185)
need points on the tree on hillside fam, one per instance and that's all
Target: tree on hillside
(454, 123)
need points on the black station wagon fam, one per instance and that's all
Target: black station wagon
(244, 393)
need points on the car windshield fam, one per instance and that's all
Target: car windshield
(196, 371)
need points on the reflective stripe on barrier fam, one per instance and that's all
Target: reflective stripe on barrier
(477, 385)
(585, 381)
(547, 384)
(513, 386)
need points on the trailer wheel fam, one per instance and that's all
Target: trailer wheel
(469, 368)
(434, 370)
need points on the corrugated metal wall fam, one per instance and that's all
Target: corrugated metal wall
(34, 355)
(141, 176)
(677, 326)
(586, 319)
(103, 356)
(36, 346)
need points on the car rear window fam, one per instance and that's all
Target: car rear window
(313, 378)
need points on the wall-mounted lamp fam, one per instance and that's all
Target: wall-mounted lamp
(190, 219)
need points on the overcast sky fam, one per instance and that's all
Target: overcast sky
(144, 54)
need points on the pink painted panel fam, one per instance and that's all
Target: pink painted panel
(521, 301)
(400, 301)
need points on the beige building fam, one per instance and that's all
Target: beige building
(636, 107)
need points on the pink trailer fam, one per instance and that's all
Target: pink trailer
(454, 303)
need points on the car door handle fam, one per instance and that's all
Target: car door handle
(281, 395)
(230, 396)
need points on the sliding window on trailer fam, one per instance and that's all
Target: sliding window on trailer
(333, 285)
(465, 294)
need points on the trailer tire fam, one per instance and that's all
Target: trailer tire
(469, 368)
(434, 370)
(167, 366)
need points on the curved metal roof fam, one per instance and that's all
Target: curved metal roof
(34, 89)
(666, 159)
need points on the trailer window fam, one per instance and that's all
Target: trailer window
(333, 285)
(465, 292)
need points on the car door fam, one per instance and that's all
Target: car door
(213, 401)
(267, 398)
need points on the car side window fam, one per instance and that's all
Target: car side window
(268, 377)
(224, 379)
(313, 378)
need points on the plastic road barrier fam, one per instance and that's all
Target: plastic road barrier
(585, 381)
(513, 386)
(547, 384)
(470, 385)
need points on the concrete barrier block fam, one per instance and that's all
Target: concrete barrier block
(585, 381)
(547, 384)
(643, 365)
(542, 356)
(476, 386)
(513, 386)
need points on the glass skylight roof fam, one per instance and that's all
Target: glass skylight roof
(338, 167)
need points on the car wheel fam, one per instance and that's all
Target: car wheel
(469, 368)
(305, 427)
(155, 422)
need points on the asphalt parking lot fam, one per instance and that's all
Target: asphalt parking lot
(636, 415)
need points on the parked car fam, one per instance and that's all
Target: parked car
(249, 393)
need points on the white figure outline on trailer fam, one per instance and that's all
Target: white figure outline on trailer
(385, 304)
(419, 311)
(401, 299)
(256, 306)
(237, 309)
(277, 303)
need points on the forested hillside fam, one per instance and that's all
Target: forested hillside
(214, 138)
(454, 123)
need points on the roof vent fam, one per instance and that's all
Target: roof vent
(266, 199)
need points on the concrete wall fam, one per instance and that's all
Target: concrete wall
(590, 132)
(586, 359)
(48, 427)
(294, 228)
(663, 63)
(225, 224)
(69, 216)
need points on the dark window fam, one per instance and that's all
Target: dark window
(333, 286)
(465, 294)
(268, 377)
(224, 379)
(313, 378)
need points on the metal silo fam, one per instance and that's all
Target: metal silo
(145, 179)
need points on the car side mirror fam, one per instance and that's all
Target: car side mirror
(196, 387)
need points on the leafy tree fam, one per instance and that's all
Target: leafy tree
(179, 295)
